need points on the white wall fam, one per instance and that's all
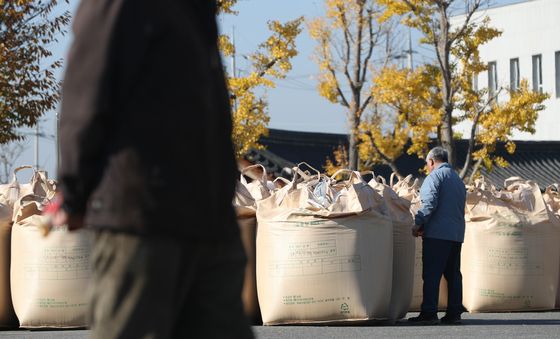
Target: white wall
(528, 28)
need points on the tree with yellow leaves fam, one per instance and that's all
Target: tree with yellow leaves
(492, 120)
(28, 85)
(272, 60)
(432, 18)
(407, 112)
(349, 38)
(458, 63)
(495, 122)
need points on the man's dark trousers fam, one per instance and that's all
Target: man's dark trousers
(441, 257)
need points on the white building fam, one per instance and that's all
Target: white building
(529, 48)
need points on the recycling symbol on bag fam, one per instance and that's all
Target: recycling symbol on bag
(344, 308)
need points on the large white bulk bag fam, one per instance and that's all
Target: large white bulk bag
(7, 315)
(510, 257)
(552, 199)
(324, 252)
(9, 195)
(244, 202)
(49, 274)
(403, 249)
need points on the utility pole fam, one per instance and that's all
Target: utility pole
(406, 54)
(57, 128)
(37, 145)
(233, 66)
(409, 52)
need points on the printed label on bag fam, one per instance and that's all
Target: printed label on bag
(313, 258)
(286, 268)
(303, 300)
(59, 263)
(54, 303)
(520, 256)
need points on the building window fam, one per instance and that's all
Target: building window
(492, 79)
(537, 73)
(557, 64)
(514, 74)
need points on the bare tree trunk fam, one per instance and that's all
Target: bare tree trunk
(468, 160)
(474, 171)
(356, 86)
(443, 52)
(354, 122)
(394, 169)
(447, 135)
(470, 150)
(352, 151)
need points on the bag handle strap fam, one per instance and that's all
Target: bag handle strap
(372, 173)
(540, 204)
(416, 184)
(310, 179)
(362, 173)
(381, 179)
(302, 173)
(552, 189)
(17, 169)
(405, 182)
(40, 179)
(264, 176)
(354, 175)
(284, 180)
(512, 180)
(291, 185)
(14, 187)
(392, 179)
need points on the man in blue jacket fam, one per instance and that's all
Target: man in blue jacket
(441, 223)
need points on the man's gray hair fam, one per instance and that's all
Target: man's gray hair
(438, 154)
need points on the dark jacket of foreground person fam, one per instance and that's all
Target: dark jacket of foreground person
(145, 129)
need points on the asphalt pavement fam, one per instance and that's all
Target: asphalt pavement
(478, 325)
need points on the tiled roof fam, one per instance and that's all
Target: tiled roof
(534, 160)
(274, 165)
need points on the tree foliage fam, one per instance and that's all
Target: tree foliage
(271, 61)
(349, 39)
(339, 161)
(492, 119)
(433, 19)
(408, 111)
(28, 85)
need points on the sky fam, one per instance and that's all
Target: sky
(293, 105)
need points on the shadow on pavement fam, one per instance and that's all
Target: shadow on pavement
(490, 322)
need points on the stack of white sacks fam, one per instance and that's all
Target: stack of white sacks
(42, 278)
(331, 251)
(246, 195)
(324, 251)
(552, 199)
(510, 259)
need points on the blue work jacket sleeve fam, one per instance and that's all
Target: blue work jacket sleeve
(429, 196)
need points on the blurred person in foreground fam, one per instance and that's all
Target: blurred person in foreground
(441, 223)
(147, 162)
